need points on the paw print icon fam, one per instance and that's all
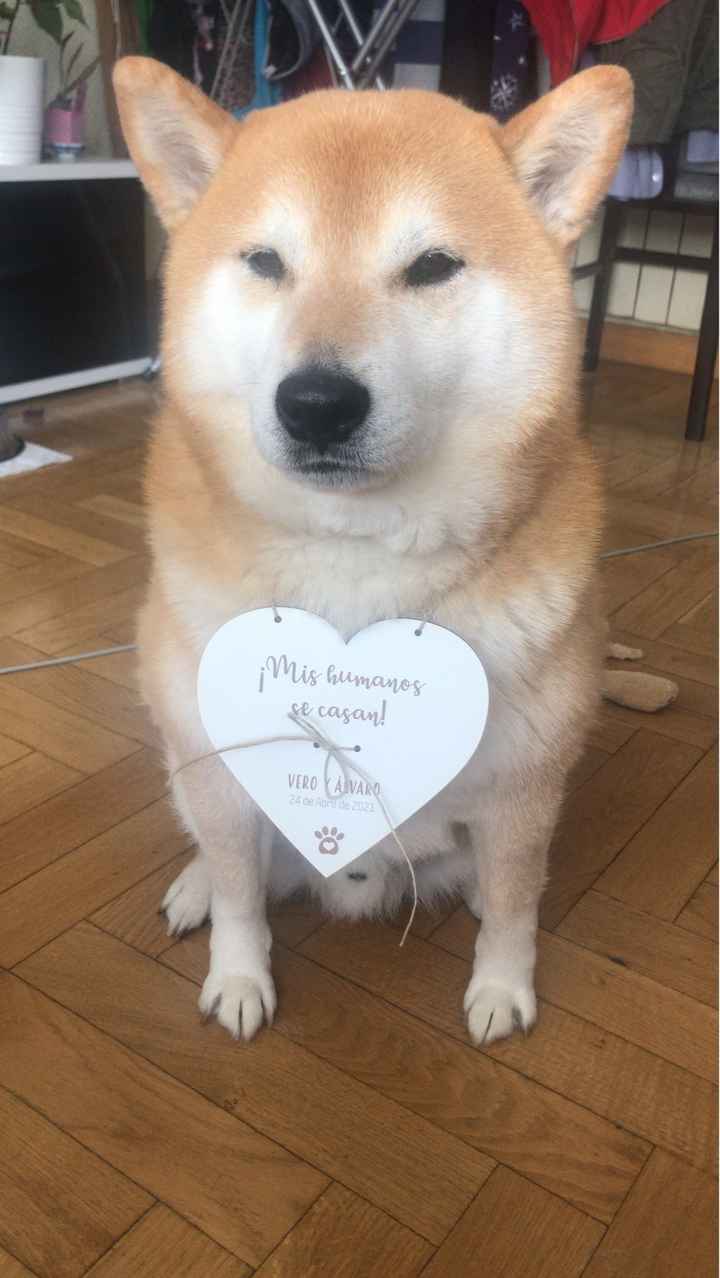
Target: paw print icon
(329, 839)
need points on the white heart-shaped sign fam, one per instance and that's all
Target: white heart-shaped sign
(412, 697)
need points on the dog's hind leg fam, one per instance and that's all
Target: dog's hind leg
(638, 690)
(634, 688)
(186, 903)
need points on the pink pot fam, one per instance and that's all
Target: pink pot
(65, 127)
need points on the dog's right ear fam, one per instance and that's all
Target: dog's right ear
(176, 136)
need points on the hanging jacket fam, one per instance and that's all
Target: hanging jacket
(567, 27)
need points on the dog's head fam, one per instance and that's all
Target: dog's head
(361, 283)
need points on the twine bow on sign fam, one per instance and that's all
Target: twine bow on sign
(313, 735)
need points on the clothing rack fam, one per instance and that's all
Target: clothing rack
(238, 19)
(372, 49)
(338, 25)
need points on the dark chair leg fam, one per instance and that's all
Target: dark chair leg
(601, 287)
(706, 352)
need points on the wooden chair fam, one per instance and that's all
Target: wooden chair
(610, 252)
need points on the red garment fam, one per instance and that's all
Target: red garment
(567, 27)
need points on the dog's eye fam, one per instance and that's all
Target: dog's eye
(266, 263)
(433, 267)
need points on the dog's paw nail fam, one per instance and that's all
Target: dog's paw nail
(240, 1003)
(494, 1011)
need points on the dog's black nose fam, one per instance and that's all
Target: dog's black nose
(319, 407)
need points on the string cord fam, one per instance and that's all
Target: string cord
(657, 545)
(313, 735)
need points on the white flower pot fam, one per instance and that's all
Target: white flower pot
(22, 99)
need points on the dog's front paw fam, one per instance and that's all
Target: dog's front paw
(495, 1008)
(239, 1001)
(186, 903)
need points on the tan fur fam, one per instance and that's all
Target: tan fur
(487, 515)
(638, 690)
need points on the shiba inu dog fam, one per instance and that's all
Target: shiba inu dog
(370, 412)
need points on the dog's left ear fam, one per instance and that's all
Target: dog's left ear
(565, 147)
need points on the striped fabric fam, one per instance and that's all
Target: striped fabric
(417, 55)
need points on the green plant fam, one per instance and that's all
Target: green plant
(50, 16)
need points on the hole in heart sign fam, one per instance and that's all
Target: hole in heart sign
(329, 839)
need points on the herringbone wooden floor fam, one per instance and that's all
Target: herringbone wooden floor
(362, 1137)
